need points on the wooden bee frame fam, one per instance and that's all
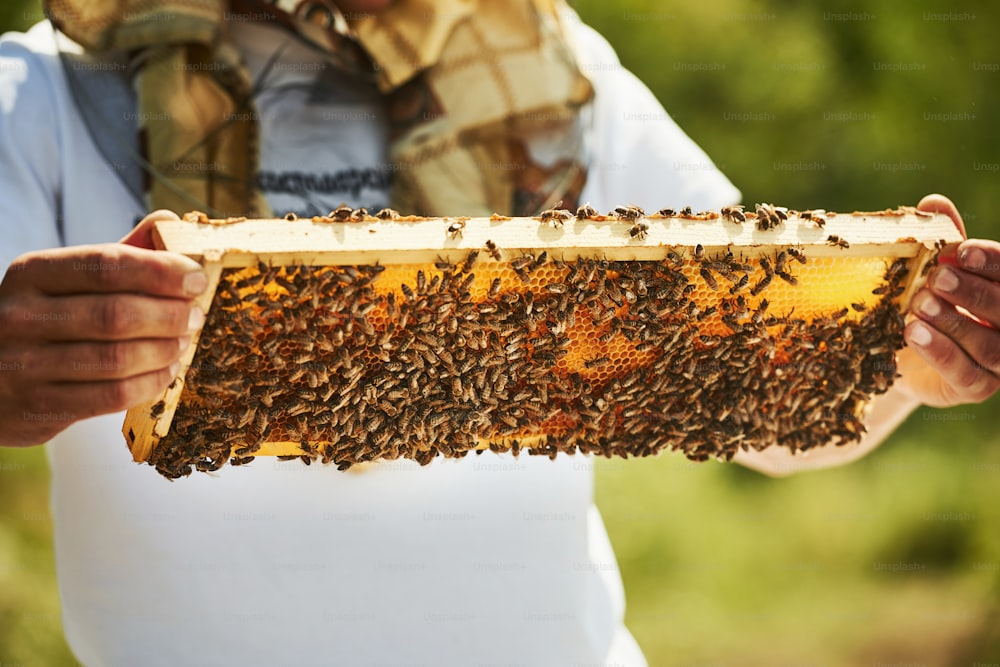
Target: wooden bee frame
(892, 249)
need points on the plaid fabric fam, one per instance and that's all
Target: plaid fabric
(468, 83)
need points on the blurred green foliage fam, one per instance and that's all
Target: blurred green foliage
(891, 560)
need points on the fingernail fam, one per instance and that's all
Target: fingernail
(195, 319)
(945, 280)
(920, 335)
(183, 342)
(928, 305)
(973, 258)
(195, 283)
(174, 368)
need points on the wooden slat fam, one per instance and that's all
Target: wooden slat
(141, 429)
(422, 240)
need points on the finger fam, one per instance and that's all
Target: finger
(964, 380)
(142, 235)
(102, 317)
(978, 256)
(89, 399)
(978, 295)
(77, 362)
(980, 343)
(106, 268)
(940, 204)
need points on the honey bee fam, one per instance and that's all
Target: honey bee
(556, 288)
(522, 262)
(387, 214)
(455, 229)
(739, 284)
(686, 212)
(586, 212)
(597, 362)
(859, 307)
(494, 288)
(639, 230)
(797, 255)
(835, 240)
(816, 217)
(291, 217)
(342, 213)
(733, 214)
(556, 216)
(779, 262)
(787, 277)
(709, 278)
(761, 285)
(359, 214)
(897, 270)
(766, 217)
(470, 261)
(540, 260)
(699, 252)
(493, 250)
(630, 212)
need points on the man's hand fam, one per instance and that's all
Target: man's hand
(954, 343)
(90, 330)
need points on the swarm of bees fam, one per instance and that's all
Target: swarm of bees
(529, 354)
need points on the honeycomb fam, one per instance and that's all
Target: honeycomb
(701, 352)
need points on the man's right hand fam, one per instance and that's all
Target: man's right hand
(90, 330)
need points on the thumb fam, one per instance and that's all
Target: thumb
(142, 235)
(941, 204)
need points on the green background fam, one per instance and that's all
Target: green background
(846, 106)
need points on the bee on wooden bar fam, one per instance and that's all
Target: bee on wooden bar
(342, 213)
(522, 262)
(733, 214)
(639, 230)
(586, 212)
(797, 255)
(387, 214)
(628, 213)
(835, 240)
(470, 261)
(455, 228)
(493, 251)
(556, 216)
(686, 212)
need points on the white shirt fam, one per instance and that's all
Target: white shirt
(486, 560)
